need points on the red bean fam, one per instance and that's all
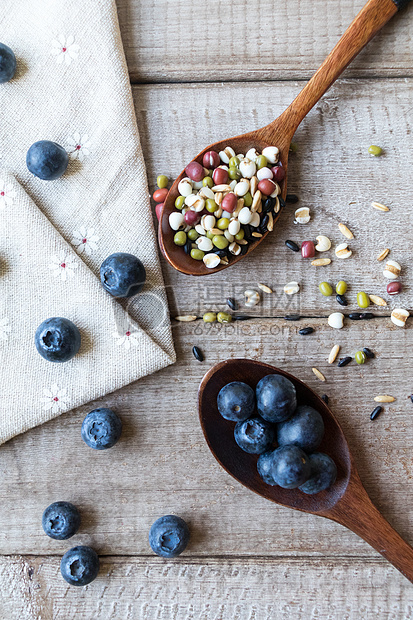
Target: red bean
(220, 176)
(307, 249)
(394, 288)
(279, 173)
(266, 187)
(160, 195)
(158, 210)
(195, 171)
(211, 159)
(229, 202)
(192, 217)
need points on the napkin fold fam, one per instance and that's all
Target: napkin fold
(41, 276)
(72, 87)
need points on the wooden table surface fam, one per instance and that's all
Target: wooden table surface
(199, 71)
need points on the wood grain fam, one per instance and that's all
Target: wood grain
(332, 173)
(224, 588)
(247, 559)
(195, 41)
(162, 465)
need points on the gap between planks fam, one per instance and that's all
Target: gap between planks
(258, 78)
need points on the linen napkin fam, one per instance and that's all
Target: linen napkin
(41, 276)
(72, 87)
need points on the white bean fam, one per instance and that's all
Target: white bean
(185, 187)
(176, 219)
(271, 153)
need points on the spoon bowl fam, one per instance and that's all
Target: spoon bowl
(374, 15)
(346, 501)
(241, 144)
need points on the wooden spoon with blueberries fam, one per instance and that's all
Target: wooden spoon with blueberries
(193, 233)
(332, 490)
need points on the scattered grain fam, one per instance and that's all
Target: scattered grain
(384, 398)
(377, 301)
(321, 262)
(379, 206)
(318, 374)
(345, 231)
(383, 254)
(265, 289)
(333, 354)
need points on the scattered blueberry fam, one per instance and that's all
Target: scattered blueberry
(61, 520)
(304, 429)
(7, 63)
(47, 160)
(276, 398)
(323, 474)
(236, 401)
(289, 467)
(169, 536)
(57, 339)
(79, 566)
(101, 429)
(254, 435)
(265, 467)
(122, 275)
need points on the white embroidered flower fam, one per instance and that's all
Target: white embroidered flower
(65, 49)
(127, 339)
(5, 328)
(63, 265)
(55, 398)
(7, 194)
(85, 240)
(78, 146)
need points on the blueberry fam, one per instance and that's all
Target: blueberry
(289, 467)
(57, 339)
(276, 398)
(265, 466)
(122, 275)
(101, 429)
(61, 520)
(47, 160)
(79, 566)
(304, 429)
(7, 63)
(169, 536)
(236, 401)
(323, 474)
(254, 435)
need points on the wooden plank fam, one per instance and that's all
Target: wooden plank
(332, 172)
(189, 589)
(162, 464)
(193, 40)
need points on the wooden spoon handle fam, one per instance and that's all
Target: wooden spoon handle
(372, 17)
(357, 512)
